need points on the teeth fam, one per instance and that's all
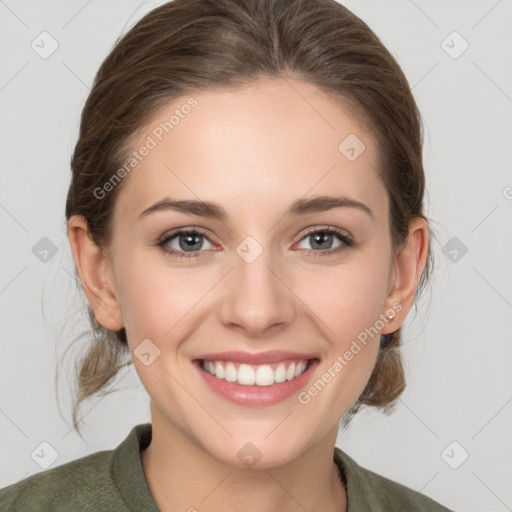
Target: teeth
(250, 375)
(246, 375)
(299, 369)
(280, 373)
(231, 373)
(219, 370)
(290, 373)
(265, 376)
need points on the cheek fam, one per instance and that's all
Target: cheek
(156, 299)
(347, 298)
(349, 309)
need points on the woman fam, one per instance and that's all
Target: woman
(246, 220)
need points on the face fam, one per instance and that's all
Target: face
(307, 282)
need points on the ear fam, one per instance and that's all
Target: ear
(95, 271)
(409, 264)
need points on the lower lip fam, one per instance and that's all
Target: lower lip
(257, 396)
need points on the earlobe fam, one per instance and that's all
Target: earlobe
(409, 264)
(94, 269)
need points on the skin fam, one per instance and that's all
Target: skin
(254, 151)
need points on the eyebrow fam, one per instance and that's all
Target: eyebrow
(215, 211)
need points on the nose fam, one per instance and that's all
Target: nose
(257, 298)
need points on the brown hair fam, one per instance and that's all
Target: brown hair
(191, 45)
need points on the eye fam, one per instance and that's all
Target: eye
(188, 243)
(184, 243)
(323, 238)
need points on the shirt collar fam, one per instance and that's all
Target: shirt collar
(356, 496)
(128, 473)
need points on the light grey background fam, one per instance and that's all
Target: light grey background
(458, 348)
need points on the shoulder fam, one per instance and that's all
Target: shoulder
(368, 490)
(105, 480)
(82, 484)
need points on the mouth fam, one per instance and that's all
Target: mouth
(261, 379)
(245, 374)
(256, 380)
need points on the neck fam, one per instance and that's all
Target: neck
(183, 476)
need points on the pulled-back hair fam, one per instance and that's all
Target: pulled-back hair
(186, 46)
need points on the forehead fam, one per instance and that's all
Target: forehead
(255, 147)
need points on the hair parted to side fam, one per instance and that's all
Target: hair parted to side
(185, 46)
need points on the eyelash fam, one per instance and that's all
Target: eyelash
(163, 241)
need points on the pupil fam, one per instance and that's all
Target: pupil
(321, 237)
(190, 244)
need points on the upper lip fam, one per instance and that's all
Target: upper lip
(273, 356)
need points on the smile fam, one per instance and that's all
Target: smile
(255, 375)
(260, 379)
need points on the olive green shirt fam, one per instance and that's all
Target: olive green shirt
(114, 481)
